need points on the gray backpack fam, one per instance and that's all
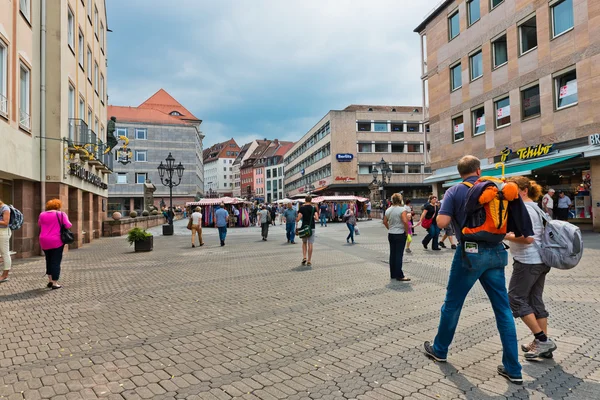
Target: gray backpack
(562, 245)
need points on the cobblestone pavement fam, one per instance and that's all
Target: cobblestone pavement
(248, 321)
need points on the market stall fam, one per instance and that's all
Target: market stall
(338, 205)
(209, 207)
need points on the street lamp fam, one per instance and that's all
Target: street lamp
(165, 172)
(386, 176)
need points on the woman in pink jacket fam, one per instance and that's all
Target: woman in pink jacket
(50, 240)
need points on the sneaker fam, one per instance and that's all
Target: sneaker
(514, 379)
(442, 245)
(408, 251)
(453, 247)
(539, 349)
(525, 348)
(430, 353)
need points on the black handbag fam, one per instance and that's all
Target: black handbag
(66, 236)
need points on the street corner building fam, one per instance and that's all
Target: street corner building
(346, 150)
(516, 82)
(218, 168)
(53, 114)
(156, 128)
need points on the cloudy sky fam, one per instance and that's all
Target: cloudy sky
(253, 69)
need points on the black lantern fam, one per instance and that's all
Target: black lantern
(166, 171)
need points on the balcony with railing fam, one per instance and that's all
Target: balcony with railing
(3, 106)
(24, 119)
(84, 141)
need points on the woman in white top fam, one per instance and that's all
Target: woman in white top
(396, 221)
(196, 218)
(5, 234)
(529, 275)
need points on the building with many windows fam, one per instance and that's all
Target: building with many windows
(53, 114)
(274, 170)
(516, 81)
(158, 127)
(245, 152)
(340, 153)
(251, 179)
(218, 168)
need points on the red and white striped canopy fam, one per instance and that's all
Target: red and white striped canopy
(339, 198)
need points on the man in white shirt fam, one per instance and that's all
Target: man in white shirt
(548, 203)
(196, 218)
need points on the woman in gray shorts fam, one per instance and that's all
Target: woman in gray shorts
(529, 275)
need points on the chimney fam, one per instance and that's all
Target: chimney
(265, 139)
(276, 141)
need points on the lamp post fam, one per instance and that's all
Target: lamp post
(386, 176)
(166, 178)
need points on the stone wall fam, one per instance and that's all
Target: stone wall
(121, 227)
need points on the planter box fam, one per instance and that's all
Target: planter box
(144, 245)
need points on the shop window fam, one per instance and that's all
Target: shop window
(455, 77)
(476, 65)
(365, 147)
(397, 127)
(562, 17)
(364, 126)
(381, 148)
(397, 147)
(458, 128)
(500, 51)
(453, 25)
(530, 102)
(502, 108)
(413, 148)
(528, 35)
(381, 127)
(473, 11)
(478, 122)
(412, 127)
(414, 168)
(566, 89)
(398, 168)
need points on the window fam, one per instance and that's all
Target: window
(458, 128)
(89, 118)
(3, 78)
(102, 88)
(381, 147)
(269, 185)
(528, 35)
(478, 121)
(121, 132)
(495, 3)
(268, 174)
(530, 102)
(476, 65)
(274, 173)
(141, 134)
(71, 109)
(398, 127)
(562, 17)
(81, 109)
(80, 48)
(413, 148)
(455, 77)
(365, 148)
(122, 177)
(89, 64)
(141, 155)
(473, 11)
(96, 20)
(141, 177)
(102, 36)
(412, 127)
(397, 147)
(398, 168)
(453, 25)
(25, 7)
(70, 29)
(89, 10)
(502, 108)
(499, 51)
(414, 168)
(96, 126)
(381, 127)
(175, 113)
(364, 126)
(566, 89)
(96, 79)
(365, 169)
(24, 97)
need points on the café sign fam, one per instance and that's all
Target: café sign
(83, 174)
(344, 178)
(527, 153)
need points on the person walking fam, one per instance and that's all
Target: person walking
(396, 222)
(411, 228)
(50, 222)
(5, 234)
(308, 215)
(263, 217)
(221, 218)
(564, 204)
(323, 214)
(368, 210)
(548, 203)
(273, 214)
(350, 219)
(290, 216)
(197, 226)
(430, 212)
(486, 263)
(526, 286)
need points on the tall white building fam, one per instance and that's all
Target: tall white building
(218, 168)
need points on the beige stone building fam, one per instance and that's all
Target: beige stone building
(516, 81)
(339, 154)
(53, 112)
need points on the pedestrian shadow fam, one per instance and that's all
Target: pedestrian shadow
(302, 268)
(27, 295)
(398, 286)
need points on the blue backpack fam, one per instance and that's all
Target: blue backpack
(16, 218)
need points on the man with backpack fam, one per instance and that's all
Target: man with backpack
(473, 261)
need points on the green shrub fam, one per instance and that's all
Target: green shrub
(137, 234)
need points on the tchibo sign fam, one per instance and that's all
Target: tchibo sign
(595, 139)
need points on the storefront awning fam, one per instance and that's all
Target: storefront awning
(520, 169)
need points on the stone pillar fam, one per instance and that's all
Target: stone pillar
(595, 171)
(131, 204)
(75, 212)
(27, 200)
(88, 211)
(97, 216)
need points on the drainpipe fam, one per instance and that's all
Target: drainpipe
(43, 107)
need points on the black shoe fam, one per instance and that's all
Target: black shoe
(54, 287)
(438, 249)
(514, 379)
(430, 353)
(453, 247)
(424, 246)
(222, 243)
(292, 242)
(193, 245)
(49, 285)
(442, 245)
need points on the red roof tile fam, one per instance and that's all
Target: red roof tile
(163, 101)
(133, 114)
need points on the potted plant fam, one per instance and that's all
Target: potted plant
(141, 239)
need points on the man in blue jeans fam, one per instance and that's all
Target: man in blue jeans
(221, 217)
(486, 263)
(290, 216)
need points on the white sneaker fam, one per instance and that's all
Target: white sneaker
(539, 349)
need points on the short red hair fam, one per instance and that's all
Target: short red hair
(54, 204)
